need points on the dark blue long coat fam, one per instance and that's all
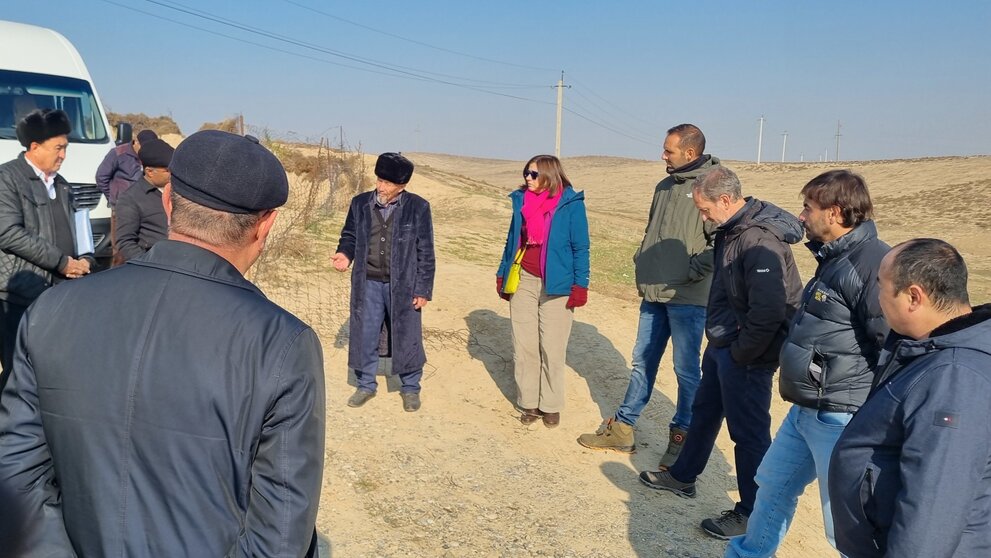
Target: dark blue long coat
(411, 270)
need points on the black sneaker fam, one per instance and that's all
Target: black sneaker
(729, 524)
(662, 480)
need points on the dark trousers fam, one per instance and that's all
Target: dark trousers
(743, 397)
(9, 320)
(376, 308)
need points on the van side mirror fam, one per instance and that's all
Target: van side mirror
(124, 133)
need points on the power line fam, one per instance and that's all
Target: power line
(607, 127)
(245, 41)
(635, 117)
(585, 108)
(390, 70)
(639, 130)
(370, 62)
(414, 41)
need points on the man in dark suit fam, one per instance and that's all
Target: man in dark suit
(389, 237)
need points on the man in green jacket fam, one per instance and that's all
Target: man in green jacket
(673, 273)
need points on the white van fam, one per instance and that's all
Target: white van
(40, 68)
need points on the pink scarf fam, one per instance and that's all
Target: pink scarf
(537, 211)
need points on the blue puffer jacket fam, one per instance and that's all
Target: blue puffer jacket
(567, 243)
(911, 473)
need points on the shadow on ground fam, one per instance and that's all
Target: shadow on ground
(662, 524)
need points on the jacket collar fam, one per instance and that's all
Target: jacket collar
(969, 331)
(693, 169)
(37, 188)
(864, 231)
(145, 185)
(189, 259)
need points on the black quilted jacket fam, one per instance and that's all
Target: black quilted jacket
(29, 258)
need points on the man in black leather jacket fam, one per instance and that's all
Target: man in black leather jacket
(37, 233)
(200, 430)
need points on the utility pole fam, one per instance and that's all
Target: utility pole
(837, 157)
(784, 145)
(760, 137)
(560, 106)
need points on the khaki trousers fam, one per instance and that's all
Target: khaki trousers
(541, 327)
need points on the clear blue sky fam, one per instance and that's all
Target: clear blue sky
(905, 78)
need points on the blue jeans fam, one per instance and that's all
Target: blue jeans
(798, 455)
(376, 308)
(659, 321)
(741, 394)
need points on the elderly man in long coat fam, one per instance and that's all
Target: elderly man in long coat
(389, 237)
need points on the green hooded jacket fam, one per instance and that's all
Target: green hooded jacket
(674, 261)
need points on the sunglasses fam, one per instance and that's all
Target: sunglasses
(530, 174)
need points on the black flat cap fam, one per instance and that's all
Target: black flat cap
(228, 172)
(394, 167)
(156, 153)
(42, 125)
(146, 135)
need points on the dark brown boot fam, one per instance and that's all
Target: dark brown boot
(530, 416)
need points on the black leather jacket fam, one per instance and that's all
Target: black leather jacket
(29, 258)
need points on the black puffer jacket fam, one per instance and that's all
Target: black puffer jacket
(29, 257)
(756, 287)
(832, 347)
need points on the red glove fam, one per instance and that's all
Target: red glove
(502, 295)
(578, 297)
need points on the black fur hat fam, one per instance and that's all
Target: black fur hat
(41, 125)
(394, 167)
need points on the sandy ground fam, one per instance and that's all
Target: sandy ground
(463, 477)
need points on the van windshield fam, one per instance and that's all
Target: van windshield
(23, 92)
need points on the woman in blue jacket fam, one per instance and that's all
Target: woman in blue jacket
(548, 235)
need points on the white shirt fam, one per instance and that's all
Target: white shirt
(47, 180)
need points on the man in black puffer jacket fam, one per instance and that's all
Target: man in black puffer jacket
(755, 292)
(828, 359)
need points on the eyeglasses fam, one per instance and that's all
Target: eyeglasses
(530, 174)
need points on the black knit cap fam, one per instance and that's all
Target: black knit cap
(228, 172)
(41, 125)
(146, 135)
(394, 167)
(156, 153)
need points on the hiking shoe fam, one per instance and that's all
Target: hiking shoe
(729, 524)
(360, 397)
(662, 480)
(676, 440)
(411, 401)
(551, 420)
(612, 435)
